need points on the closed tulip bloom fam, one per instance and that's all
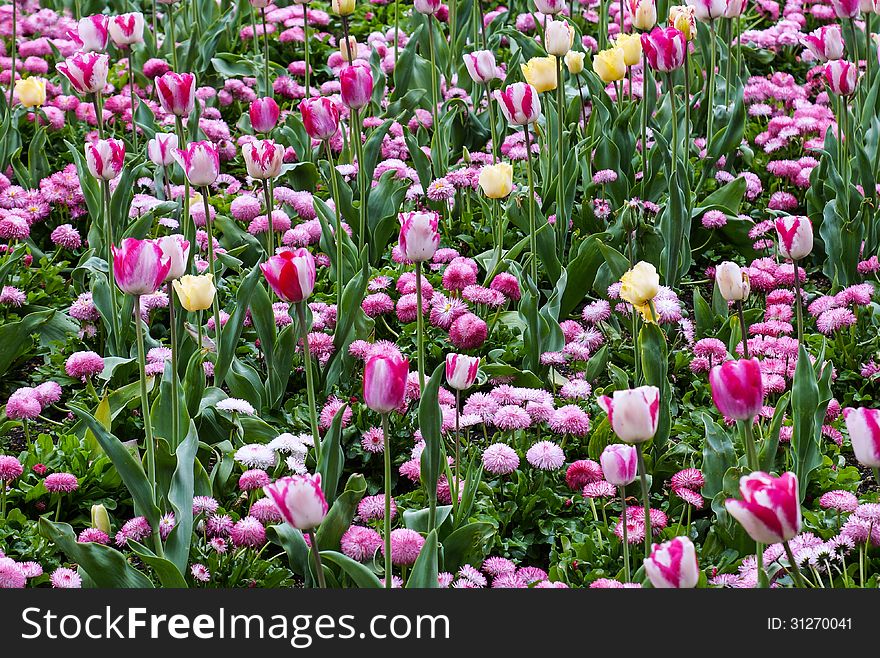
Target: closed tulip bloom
(558, 37)
(263, 159)
(356, 86)
(737, 388)
(770, 510)
(846, 8)
(342, 7)
(291, 274)
(31, 91)
(794, 237)
(631, 45)
(320, 117)
(100, 518)
(863, 425)
(196, 293)
(673, 565)
(540, 72)
(826, 43)
(127, 29)
(348, 48)
(684, 19)
(619, 463)
(550, 7)
(161, 149)
(519, 103)
(177, 92)
(92, 33)
(419, 235)
(639, 286)
(481, 66)
(735, 8)
(427, 7)
(665, 48)
(496, 180)
(610, 64)
(139, 266)
(264, 113)
(259, 4)
(708, 10)
(87, 72)
(461, 371)
(385, 382)
(200, 162)
(842, 77)
(299, 499)
(574, 61)
(633, 413)
(176, 249)
(643, 13)
(733, 282)
(105, 158)
(869, 6)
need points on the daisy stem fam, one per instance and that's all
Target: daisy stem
(596, 521)
(212, 269)
(386, 437)
(319, 567)
(58, 509)
(643, 476)
(625, 538)
(2, 499)
(795, 570)
(310, 386)
(420, 327)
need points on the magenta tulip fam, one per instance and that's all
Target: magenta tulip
(264, 113)
(263, 159)
(177, 92)
(737, 389)
(846, 8)
(356, 86)
(92, 33)
(673, 565)
(795, 237)
(161, 149)
(461, 371)
(665, 48)
(619, 463)
(385, 382)
(863, 425)
(127, 29)
(519, 103)
(291, 274)
(139, 266)
(419, 235)
(634, 413)
(87, 72)
(842, 77)
(200, 162)
(770, 509)
(299, 499)
(320, 117)
(826, 43)
(105, 158)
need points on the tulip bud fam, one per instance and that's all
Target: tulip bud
(427, 7)
(92, 33)
(481, 66)
(735, 8)
(496, 180)
(540, 73)
(737, 389)
(461, 371)
(196, 293)
(385, 382)
(558, 37)
(127, 29)
(684, 19)
(708, 10)
(264, 113)
(673, 565)
(574, 60)
(87, 72)
(846, 8)
(348, 48)
(644, 14)
(105, 158)
(619, 463)
(639, 286)
(291, 274)
(770, 510)
(356, 83)
(634, 413)
(263, 159)
(519, 103)
(631, 45)
(342, 7)
(139, 266)
(200, 162)
(610, 64)
(863, 425)
(320, 117)
(733, 282)
(101, 519)
(419, 235)
(177, 92)
(826, 43)
(665, 48)
(550, 7)
(31, 92)
(842, 77)
(176, 249)
(795, 237)
(161, 149)
(299, 499)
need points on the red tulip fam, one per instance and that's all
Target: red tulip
(139, 266)
(737, 389)
(385, 382)
(177, 92)
(291, 274)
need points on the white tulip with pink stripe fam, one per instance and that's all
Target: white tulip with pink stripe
(673, 565)
(863, 425)
(770, 510)
(633, 413)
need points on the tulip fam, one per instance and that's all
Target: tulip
(461, 371)
(735, 8)
(558, 37)
(574, 60)
(737, 389)
(634, 413)
(105, 158)
(320, 117)
(263, 159)
(846, 8)
(481, 66)
(863, 425)
(356, 86)
(92, 33)
(826, 43)
(161, 149)
(291, 274)
(200, 162)
(139, 266)
(795, 237)
(196, 293)
(684, 19)
(733, 282)
(708, 10)
(550, 7)
(665, 48)
(842, 77)
(87, 72)
(619, 463)
(264, 113)
(519, 103)
(385, 378)
(770, 510)
(100, 518)
(348, 48)
(540, 73)
(644, 14)
(610, 64)
(639, 286)
(631, 45)
(176, 249)
(177, 92)
(127, 29)
(419, 235)
(673, 565)
(496, 180)
(31, 92)
(342, 7)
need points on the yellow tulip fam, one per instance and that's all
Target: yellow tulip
(610, 64)
(684, 19)
(31, 92)
(100, 518)
(496, 180)
(196, 293)
(540, 72)
(342, 7)
(639, 287)
(574, 60)
(632, 48)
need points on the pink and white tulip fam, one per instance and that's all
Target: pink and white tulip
(92, 33)
(291, 274)
(770, 510)
(139, 266)
(461, 371)
(105, 158)
(673, 565)
(385, 382)
(863, 425)
(795, 237)
(735, 8)
(263, 159)
(427, 7)
(826, 43)
(127, 29)
(519, 103)
(299, 499)
(87, 72)
(320, 117)
(264, 114)
(633, 413)
(161, 149)
(356, 86)
(708, 10)
(643, 13)
(176, 249)
(419, 235)
(842, 77)
(177, 92)
(550, 7)
(200, 162)
(665, 48)
(619, 463)
(481, 66)
(737, 388)
(846, 8)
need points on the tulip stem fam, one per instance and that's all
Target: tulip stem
(184, 217)
(270, 235)
(306, 45)
(14, 52)
(644, 124)
(743, 328)
(455, 488)
(155, 27)
(386, 438)
(603, 24)
(338, 235)
(687, 103)
(533, 238)
(646, 502)
(749, 440)
(212, 269)
(310, 386)
(420, 328)
(356, 133)
(561, 219)
(434, 83)
(799, 302)
(2, 499)
(396, 34)
(175, 403)
(710, 93)
(268, 88)
(134, 132)
(350, 57)
(623, 519)
(98, 101)
(492, 126)
(795, 570)
(108, 238)
(319, 567)
(173, 42)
